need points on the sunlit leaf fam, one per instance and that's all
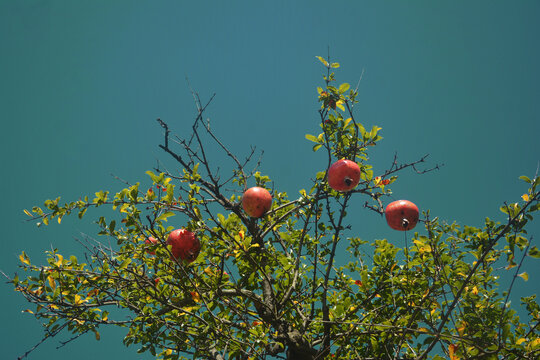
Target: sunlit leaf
(344, 87)
(52, 283)
(452, 352)
(164, 216)
(24, 258)
(322, 60)
(524, 276)
(534, 252)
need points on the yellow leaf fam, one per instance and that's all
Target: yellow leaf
(168, 352)
(534, 345)
(60, 260)
(52, 283)
(525, 197)
(524, 276)
(59, 219)
(187, 309)
(195, 296)
(339, 104)
(423, 329)
(451, 351)
(474, 290)
(24, 259)
(27, 213)
(28, 311)
(461, 329)
(520, 341)
(78, 299)
(321, 59)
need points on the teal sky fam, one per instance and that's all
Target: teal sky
(81, 84)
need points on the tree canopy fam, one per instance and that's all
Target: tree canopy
(273, 287)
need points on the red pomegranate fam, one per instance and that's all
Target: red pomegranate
(256, 201)
(185, 245)
(343, 175)
(401, 215)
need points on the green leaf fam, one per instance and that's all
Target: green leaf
(344, 87)
(164, 216)
(312, 138)
(81, 212)
(525, 178)
(316, 147)
(112, 225)
(153, 176)
(134, 191)
(101, 197)
(124, 263)
(536, 182)
(170, 193)
(534, 252)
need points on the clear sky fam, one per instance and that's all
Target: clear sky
(82, 82)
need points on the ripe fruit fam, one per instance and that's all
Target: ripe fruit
(343, 175)
(256, 201)
(401, 215)
(185, 245)
(151, 241)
